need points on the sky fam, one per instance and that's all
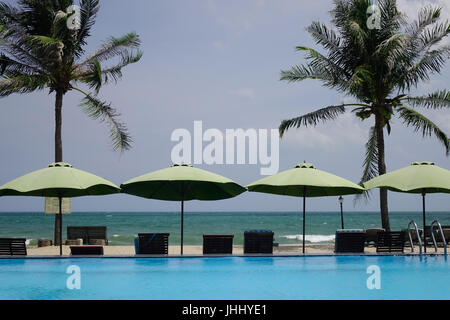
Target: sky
(217, 62)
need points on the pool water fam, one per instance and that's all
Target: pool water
(309, 277)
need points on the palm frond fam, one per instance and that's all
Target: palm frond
(94, 75)
(114, 73)
(14, 82)
(435, 100)
(422, 124)
(89, 10)
(325, 37)
(302, 72)
(426, 16)
(103, 111)
(312, 118)
(114, 47)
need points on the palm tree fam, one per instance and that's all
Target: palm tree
(38, 51)
(377, 67)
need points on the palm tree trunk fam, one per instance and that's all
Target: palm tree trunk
(382, 170)
(58, 154)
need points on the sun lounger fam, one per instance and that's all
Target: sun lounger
(13, 247)
(218, 243)
(393, 241)
(86, 250)
(371, 235)
(152, 243)
(349, 241)
(437, 235)
(258, 241)
(413, 236)
(89, 234)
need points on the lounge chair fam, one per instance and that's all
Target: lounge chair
(152, 243)
(86, 250)
(87, 233)
(413, 236)
(258, 241)
(349, 241)
(393, 241)
(13, 247)
(218, 243)
(438, 236)
(371, 235)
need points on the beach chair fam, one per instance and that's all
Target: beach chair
(413, 237)
(349, 241)
(86, 250)
(393, 241)
(152, 243)
(371, 235)
(13, 247)
(218, 243)
(89, 234)
(258, 241)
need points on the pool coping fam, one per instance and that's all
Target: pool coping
(187, 256)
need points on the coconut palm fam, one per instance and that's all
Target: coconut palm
(39, 50)
(378, 66)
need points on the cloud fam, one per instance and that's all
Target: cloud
(219, 45)
(248, 93)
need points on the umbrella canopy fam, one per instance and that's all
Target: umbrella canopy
(304, 180)
(420, 178)
(182, 183)
(58, 180)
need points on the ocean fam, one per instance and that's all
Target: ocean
(287, 226)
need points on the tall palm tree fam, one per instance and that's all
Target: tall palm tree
(378, 67)
(38, 51)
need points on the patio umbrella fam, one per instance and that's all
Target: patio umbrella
(305, 181)
(58, 180)
(420, 177)
(182, 183)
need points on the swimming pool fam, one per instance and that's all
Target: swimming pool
(304, 277)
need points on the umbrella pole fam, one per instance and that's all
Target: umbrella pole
(424, 223)
(182, 219)
(60, 225)
(304, 205)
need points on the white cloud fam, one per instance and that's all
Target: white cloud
(219, 45)
(248, 93)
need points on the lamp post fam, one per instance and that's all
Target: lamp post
(341, 202)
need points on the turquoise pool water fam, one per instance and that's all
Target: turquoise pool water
(309, 277)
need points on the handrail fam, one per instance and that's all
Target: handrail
(417, 234)
(433, 224)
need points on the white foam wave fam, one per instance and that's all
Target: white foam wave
(315, 238)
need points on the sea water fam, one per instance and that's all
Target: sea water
(287, 226)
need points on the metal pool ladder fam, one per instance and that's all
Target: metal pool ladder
(417, 235)
(436, 223)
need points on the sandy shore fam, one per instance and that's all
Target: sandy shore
(197, 249)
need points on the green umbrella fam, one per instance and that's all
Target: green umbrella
(182, 183)
(58, 180)
(305, 181)
(420, 177)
